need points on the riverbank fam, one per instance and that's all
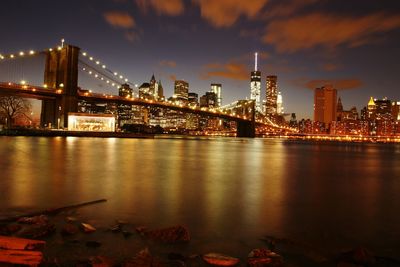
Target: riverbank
(63, 237)
(55, 133)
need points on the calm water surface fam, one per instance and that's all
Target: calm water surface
(229, 192)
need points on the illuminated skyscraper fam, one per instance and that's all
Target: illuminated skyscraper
(255, 85)
(216, 88)
(271, 107)
(325, 104)
(371, 108)
(279, 104)
(125, 91)
(181, 90)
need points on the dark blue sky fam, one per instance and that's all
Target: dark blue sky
(353, 44)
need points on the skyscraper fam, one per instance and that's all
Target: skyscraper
(125, 91)
(279, 104)
(325, 104)
(255, 85)
(160, 93)
(271, 95)
(181, 89)
(216, 88)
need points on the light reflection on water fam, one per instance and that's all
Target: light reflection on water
(225, 190)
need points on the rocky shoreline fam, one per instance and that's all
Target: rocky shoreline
(59, 238)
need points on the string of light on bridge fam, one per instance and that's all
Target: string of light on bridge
(104, 67)
(97, 75)
(18, 55)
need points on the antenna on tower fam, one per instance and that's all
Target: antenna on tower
(256, 58)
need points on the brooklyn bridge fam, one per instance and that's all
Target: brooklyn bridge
(61, 94)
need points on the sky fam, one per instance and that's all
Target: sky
(352, 44)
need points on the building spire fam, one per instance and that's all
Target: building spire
(256, 61)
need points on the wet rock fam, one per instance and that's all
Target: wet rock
(69, 229)
(358, 256)
(169, 235)
(116, 228)
(87, 228)
(41, 219)
(70, 219)
(262, 257)
(220, 259)
(143, 259)
(93, 244)
(37, 231)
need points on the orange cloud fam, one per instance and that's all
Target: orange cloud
(339, 84)
(230, 70)
(168, 63)
(119, 19)
(162, 7)
(329, 31)
(224, 13)
(172, 77)
(330, 67)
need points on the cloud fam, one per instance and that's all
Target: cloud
(167, 63)
(230, 70)
(328, 31)
(172, 77)
(162, 7)
(119, 19)
(330, 67)
(339, 84)
(224, 13)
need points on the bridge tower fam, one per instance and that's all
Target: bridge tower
(248, 128)
(61, 72)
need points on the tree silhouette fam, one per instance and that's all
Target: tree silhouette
(14, 107)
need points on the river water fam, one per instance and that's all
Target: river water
(228, 192)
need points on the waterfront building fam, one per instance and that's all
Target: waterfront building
(209, 100)
(125, 91)
(396, 110)
(216, 88)
(160, 92)
(293, 121)
(144, 91)
(193, 99)
(371, 109)
(383, 109)
(181, 90)
(325, 101)
(255, 85)
(271, 95)
(279, 104)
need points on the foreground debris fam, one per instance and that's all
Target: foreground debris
(261, 257)
(220, 259)
(168, 235)
(15, 250)
(52, 211)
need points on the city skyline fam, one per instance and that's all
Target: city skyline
(186, 40)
